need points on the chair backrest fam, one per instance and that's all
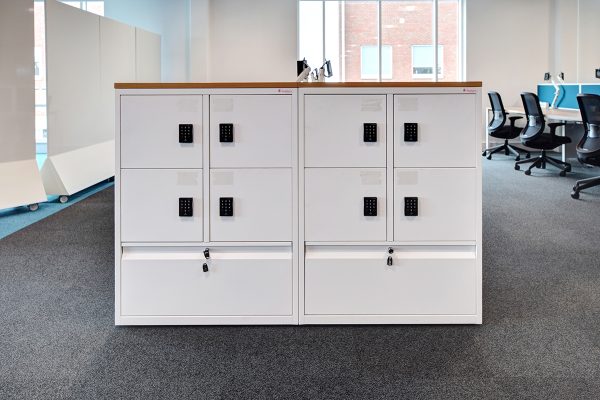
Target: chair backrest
(499, 114)
(589, 105)
(535, 117)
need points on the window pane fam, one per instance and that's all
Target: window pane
(423, 60)
(448, 39)
(334, 42)
(407, 26)
(360, 31)
(310, 31)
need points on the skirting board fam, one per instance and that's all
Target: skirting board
(70, 172)
(21, 184)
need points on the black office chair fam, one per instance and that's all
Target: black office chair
(533, 136)
(498, 129)
(588, 149)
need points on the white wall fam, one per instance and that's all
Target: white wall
(168, 18)
(508, 45)
(252, 40)
(589, 40)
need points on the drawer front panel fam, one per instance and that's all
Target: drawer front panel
(150, 131)
(446, 201)
(335, 200)
(335, 131)
(425, 280)
(150, 205)
(238, 281)
(446, 130)
(251, 205)
(250, 131)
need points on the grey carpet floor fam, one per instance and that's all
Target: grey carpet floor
(540, 338)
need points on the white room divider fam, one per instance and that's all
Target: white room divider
(85, 55)
(20, 181)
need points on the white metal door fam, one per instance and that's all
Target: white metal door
(150, 205)
(258, 201)
(260, 131)
(236, 281)
(150, 131)
(446, 204)
(335, 204)
(334, 130)
(422, 280)
(446, 130)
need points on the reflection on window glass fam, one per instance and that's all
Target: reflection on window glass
(423, 61)
(369, 62)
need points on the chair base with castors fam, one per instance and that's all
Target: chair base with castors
(584, 184)
(541, 161)
(508, 149)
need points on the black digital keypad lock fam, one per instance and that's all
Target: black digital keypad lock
(411, 132)
(226, 206)
(369, 132)
(225, 133)
(411, 206)
(186, 133)
(186, 207)
(370, 206)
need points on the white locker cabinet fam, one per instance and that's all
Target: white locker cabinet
(150, 131)
(240, 281)
(150, 209)
(250, 131)
(335, 204)
(446, 130)
(335, 134)
(259, 201)
(422, 280)
(446, 204)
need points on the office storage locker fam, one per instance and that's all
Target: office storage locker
(251, 204)
(432, 204)
(345, 130)
(250, 131)
(345, 204)
(435, 130)
(181, 281)
(161, 131)
(421, 280)
(161, 205)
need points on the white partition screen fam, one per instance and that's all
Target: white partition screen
(20, 181)
(86, 54)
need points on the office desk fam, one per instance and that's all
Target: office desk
(561, 114)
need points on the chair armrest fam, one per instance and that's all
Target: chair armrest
(554, 125)
(514, 118)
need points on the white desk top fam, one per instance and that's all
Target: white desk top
(559, 114)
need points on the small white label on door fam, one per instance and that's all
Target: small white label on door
(222, 178)
(371, 178)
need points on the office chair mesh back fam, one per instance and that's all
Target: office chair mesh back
(535, 117)
(589, 105)
(499, 118)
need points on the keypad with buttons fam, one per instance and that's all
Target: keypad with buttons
(186, 133)
(370, 206)
(226, 133)
(369, 132)
(186, 207)
(411, 132)
(411, 206)
(226, 207)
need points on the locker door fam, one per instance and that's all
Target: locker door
(422, 280)
(250, 131)
(251, 205)
(345, 204)
(345, 130)
(435, 130)
(162, 131)
(444, 201)
(150, 205)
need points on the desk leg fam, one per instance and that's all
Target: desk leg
(563, 149)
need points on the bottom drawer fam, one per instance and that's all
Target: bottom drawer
(422, 280)
(240, 281)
